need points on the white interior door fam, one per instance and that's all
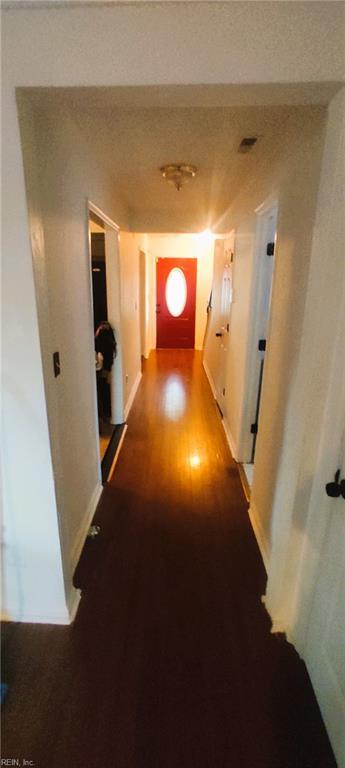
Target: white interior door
(222, 308)
(325, 645)
(325, 654)
(264, 269)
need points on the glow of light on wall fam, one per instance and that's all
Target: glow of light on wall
(206, 238)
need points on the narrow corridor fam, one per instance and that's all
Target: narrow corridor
(170, 662)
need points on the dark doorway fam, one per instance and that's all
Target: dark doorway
(100, 316)
(99, 278)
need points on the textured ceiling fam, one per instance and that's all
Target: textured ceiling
(133, 141)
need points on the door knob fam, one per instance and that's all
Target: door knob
(336, 488)
(219, 334)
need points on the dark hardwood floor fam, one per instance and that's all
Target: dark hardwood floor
(170, 662)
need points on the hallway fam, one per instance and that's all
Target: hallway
(170, 662)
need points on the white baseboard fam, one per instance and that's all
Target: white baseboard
(210, 379)
(230, 439)
(277, 626)
(259, 534)
(85, 525)
(244, 481)
(228, 435)
(36, 618)
(118, 449)
(132, 394)
(68, 613)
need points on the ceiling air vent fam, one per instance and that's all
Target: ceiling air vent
(247, 143)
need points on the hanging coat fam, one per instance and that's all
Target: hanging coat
(105, 343)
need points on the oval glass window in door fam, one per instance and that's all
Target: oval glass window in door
(176, 292)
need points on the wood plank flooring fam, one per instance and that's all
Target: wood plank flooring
(170, 662)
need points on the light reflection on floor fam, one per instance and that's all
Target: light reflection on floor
(194, 460)
(174, 398)
(174, 405)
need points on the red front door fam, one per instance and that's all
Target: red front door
(176, 290)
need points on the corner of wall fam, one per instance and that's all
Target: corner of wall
(259, 533)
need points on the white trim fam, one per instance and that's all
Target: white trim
(118, 449)
(33, 618)
(268, 204)
(132, 394)
(259, 534)
(228, 435)
(210, 379)
(277, 627)
(92, 348)
(230, 439)
(85, 525)
(73, 603)
(94, 208)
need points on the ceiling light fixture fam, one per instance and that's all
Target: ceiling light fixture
(178, 175)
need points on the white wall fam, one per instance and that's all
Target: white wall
(301, 433)
(291, 178)
(66, 173)
(187, 246)
(62, 276)
(305, 589)
(33, 584)
(295, 549)
(217, 43)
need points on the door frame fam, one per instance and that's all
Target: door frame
(143, 303)
(113, 286)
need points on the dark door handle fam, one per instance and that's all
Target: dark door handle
(337, 487)
(219, 334)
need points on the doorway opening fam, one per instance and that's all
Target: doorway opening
(176, 301)
(105, 290)
(263, 278)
